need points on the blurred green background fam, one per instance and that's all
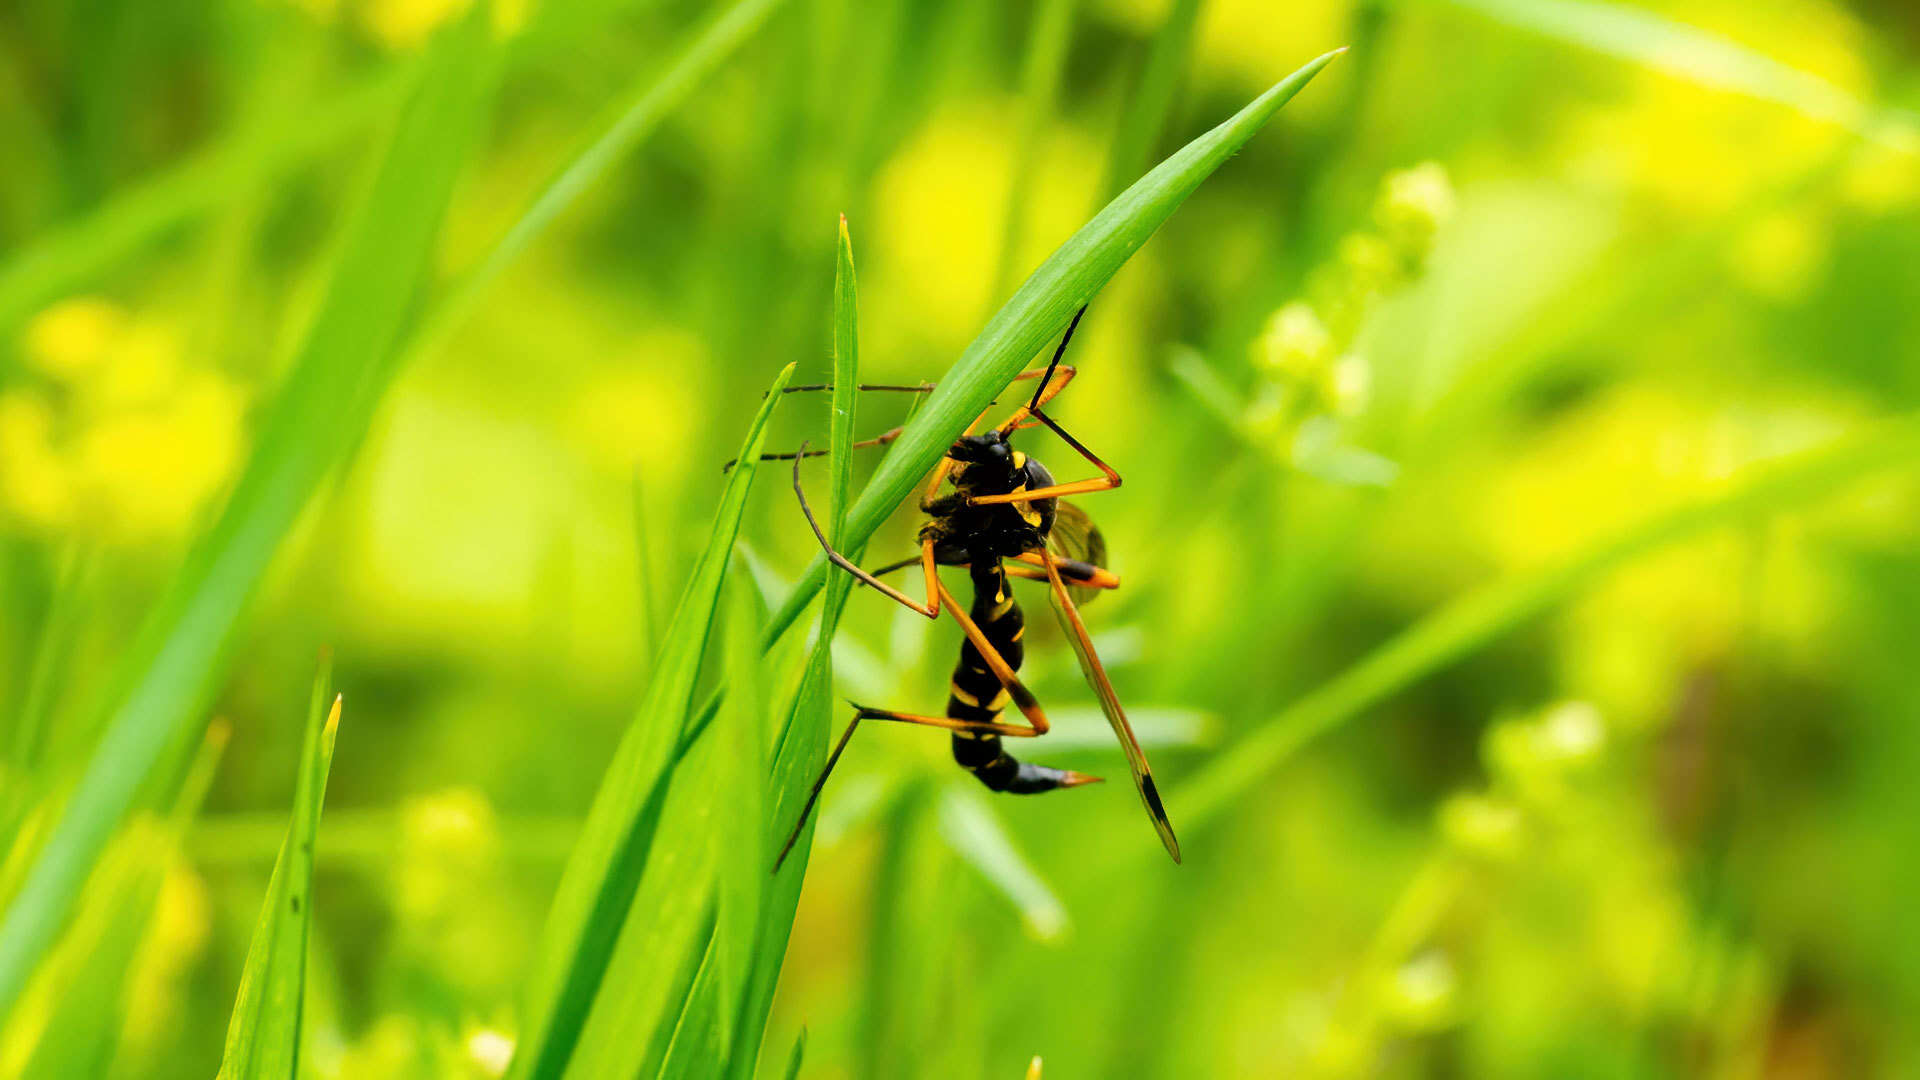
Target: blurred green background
(1508, 279)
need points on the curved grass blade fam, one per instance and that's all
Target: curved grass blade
(633, 117)
(739, 832)
(73, 1015)
(321, 414)
(1038, 311)
(69, 256)
(1040, 72)
(798, 1055)
(801, 748)
(1687, 52)
(603, 876)
(1477, 618)
(1152, 99)
(977, 835)
(263, 1037)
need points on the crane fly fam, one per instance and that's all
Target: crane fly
(998, 513)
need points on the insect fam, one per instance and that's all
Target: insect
(1004, 517)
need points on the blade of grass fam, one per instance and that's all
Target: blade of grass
(1477, 618)
(73, 1014)
(977, 835)
(1152, 100)
(263, 1037)
(1687, 52)
(57, 637)
(69, 257)
(1039, 310)
(628, 122)
(800, 746)
(739, 834)
(697, 1041)
(321, 414)
(1046, 57)
(798, 1055)
(604, 874)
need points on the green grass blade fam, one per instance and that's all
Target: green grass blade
(74, 1013)
(69, 257)
(263, 1037)
(739, 834)
(1040, 73)
(1477, 618)
(801, 748)
(1689, 53)
(1152, 100)
(846, 376)
(798, 1056)
(697, 1039)
(629, 122)
(603, 876)
(57, 637)
(321, 413)
(976, 834)
(1038, 311)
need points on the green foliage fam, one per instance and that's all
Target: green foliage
(1039, 310)
(321, 415)
(1517, 540)
(593, 923)
(264, 1038)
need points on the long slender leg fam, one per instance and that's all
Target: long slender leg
(1017, 692)
(1105, 482)
(920, 388)
(931, 609)
(881, 439)
(813, 793)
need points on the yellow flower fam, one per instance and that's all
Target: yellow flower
(71, 338)
(1295, 345)
(35, 485)
(145, 473)
(1413, 205)
(1482, 826)
(407, 24)
(1780, 255)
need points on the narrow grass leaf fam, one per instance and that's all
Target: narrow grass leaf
(73, 1015)
(263, 1036)
(798, 1055)
(1046, 57)
(976, 834)
(1038, 311)
(627, 123)
(321, 414)
(1152, 100)
(602, 878)
(1481, 616)
(697, 1040)
(1698, 56)
(71, 256)
(739, 821)
(801, 739)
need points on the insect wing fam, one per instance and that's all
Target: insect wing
(1075, 537)
(1096, 674)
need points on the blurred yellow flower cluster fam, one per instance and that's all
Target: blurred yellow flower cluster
(1307, 353)
(116, 437)
(407, 24)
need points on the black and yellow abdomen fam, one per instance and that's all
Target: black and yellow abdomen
(976, 694)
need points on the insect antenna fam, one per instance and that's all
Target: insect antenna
(1047, 379)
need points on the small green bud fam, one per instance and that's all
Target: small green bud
(1295, 345)
(1421, 994)
(1413, 205)
(1482, 826)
